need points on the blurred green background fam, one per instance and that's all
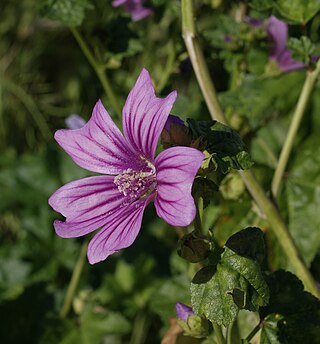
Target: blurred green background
(45, 77)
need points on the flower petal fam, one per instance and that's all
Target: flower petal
(144, 115)
(86, 204)
(98, 146)
(278, 34)
(287, 64)
(120, 232)
(183, 311)
(140, 12)
(176, 169)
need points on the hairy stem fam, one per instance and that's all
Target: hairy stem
(293, 129)
(277, 224)
(198, 61)
(253, 332)
(99, 69)
(75, 278)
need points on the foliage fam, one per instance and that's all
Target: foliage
(235, 282)
(131, 297)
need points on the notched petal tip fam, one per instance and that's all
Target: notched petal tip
(171, 97)
(145, 114)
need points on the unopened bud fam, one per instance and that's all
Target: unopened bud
(194, 248)
(175, 133)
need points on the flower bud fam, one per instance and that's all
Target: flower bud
(194, 248)
(193, 325)
(175, 133)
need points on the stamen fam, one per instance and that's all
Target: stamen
(136, 184)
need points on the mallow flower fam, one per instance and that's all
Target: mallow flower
(134, 7)
(277, 31)
(183, 311)
(131, 175)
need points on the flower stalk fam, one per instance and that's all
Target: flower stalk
(75, 278)
(99, 69)
(198, 62)
(293, 129)
(274, 218)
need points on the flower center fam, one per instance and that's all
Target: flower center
(135, 184)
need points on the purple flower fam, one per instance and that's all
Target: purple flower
(132, 178)
(134, 7)
(75, 122)
(278, 34)
(183, 311)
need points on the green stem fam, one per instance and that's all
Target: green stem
(265, 147)
(280, 231)
(198, 61)
(168, 68)
(279, 228)
(293, 129)
(139, 330)
(75, 278)
(198, 218)
(253, 332)
(99, 69)
(218, 332)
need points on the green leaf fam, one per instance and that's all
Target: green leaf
(301, 48)
(299, 11)
(68, 12)
(302, 191)
(225, 146)
(235, 283)
(250, 271)
(211, 294)
(296, 311)
(242, 243)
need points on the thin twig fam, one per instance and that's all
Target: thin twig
(74, 281)
(293, 129)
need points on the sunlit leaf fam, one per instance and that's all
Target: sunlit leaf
(235, 283)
